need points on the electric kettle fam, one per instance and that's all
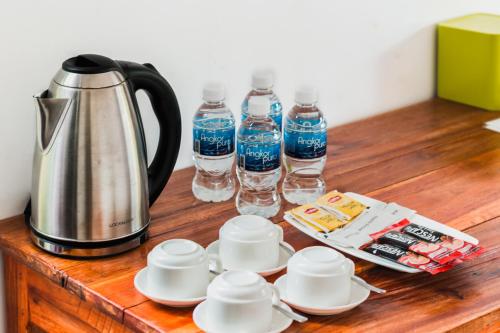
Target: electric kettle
(91, 187)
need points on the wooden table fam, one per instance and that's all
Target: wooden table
(434, 157)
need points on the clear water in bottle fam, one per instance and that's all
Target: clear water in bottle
(262, 85)
(305, 137)
(213, 147)
(259, 161)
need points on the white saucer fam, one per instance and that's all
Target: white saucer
(279, 323)
(140, 283)
(359, 294)
(284, 255)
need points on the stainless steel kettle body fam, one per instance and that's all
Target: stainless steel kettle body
(91, 187)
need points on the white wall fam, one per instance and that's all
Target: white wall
(365, 56)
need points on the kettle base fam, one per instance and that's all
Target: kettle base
(88, 250)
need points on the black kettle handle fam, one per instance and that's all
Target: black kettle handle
(146, 77)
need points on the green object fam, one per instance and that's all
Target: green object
(469, 60)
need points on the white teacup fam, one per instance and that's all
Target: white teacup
(319, 276)
(250, 242)
(179, 269)
(240, 301)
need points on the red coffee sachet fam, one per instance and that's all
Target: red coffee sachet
(433, 251)
(461, 249)
(407, 258)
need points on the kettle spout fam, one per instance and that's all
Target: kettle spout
(50, 115)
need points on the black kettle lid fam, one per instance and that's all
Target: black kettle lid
(90, 64)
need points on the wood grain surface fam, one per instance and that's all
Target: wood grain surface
(434, 157)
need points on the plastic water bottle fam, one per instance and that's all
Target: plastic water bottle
(305, 139)
(259, 161)
(262, 85)
(213, 146)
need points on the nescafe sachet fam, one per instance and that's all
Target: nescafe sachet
(434, 244)
(407, 258)
(436, 252)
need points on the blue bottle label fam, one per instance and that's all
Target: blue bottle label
(278, 118)
(213, 142)
(305, 145)
(259, 157)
